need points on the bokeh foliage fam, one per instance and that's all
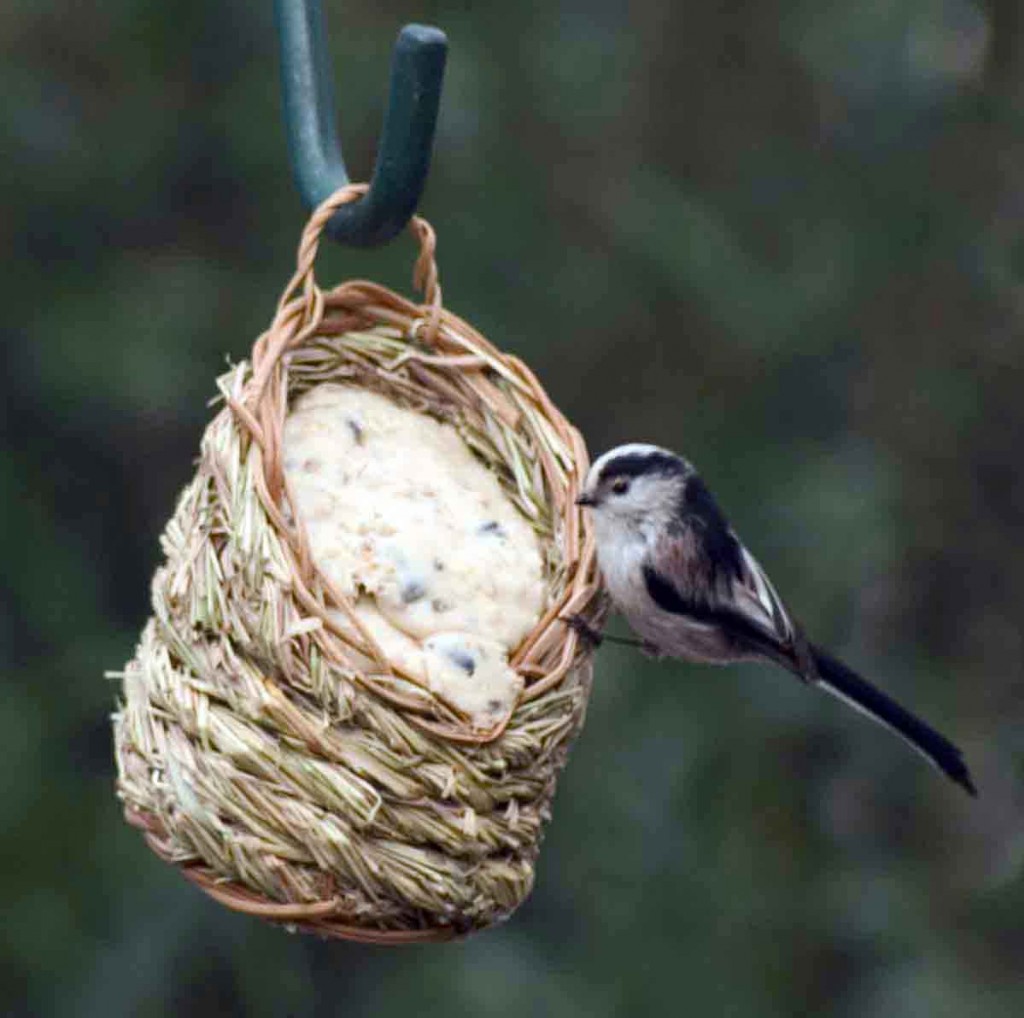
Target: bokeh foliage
(783, 238)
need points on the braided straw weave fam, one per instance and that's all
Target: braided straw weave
(256, 749)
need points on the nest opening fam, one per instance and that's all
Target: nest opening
(268, 744)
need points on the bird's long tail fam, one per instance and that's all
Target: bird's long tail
(848, 686)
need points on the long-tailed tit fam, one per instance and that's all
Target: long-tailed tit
(690, 589)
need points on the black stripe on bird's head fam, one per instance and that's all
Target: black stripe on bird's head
(638, 464)
(613, 473)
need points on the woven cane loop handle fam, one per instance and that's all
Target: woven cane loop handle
(425, 274)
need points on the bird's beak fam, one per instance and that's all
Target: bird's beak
(584, 499)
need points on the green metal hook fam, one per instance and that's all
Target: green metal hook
(403, 158)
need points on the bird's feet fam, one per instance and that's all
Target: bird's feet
(587, 632)
(584, 630)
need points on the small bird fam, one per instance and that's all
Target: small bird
(689, 588)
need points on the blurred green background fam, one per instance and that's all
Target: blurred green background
(783, 238)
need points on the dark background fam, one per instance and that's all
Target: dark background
(783, 238)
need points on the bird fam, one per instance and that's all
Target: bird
(690, 589)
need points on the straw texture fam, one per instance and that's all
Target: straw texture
(256, 750)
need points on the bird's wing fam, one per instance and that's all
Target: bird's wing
(705, 573)
(755, 596)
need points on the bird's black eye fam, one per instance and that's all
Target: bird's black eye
(620, 485)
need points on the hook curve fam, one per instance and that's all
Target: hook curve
(407, 136)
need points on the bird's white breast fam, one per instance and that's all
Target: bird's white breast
(621, 554)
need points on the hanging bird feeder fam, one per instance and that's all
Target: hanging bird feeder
(349, 708)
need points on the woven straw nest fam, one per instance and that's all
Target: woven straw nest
(256, 750)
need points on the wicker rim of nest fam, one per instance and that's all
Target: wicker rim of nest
(431, 339)
(442, 340)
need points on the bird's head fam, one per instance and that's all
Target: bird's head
(634, 484)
